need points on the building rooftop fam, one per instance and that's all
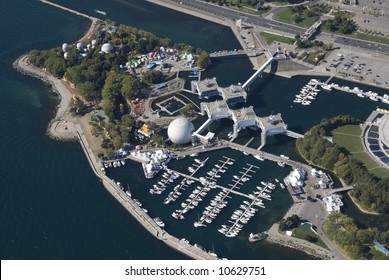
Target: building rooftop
(384, 129)
(234, 91)
(243, 114)
(207, 85)
(216, 106)
(272, 121)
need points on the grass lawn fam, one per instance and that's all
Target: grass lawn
(286, 16)
(370, 37)
(269, 37)
(377, 255)
(380, 172)
(349, 137)
(304, 230)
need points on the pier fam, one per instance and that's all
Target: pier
(217, 186)
(69, 10)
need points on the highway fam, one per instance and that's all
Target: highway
(221, 11)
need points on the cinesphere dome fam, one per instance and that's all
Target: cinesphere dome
(107, 48)
(180, 130)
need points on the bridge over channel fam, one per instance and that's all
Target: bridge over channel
(260, 70)
(339, 190)
(235, 52)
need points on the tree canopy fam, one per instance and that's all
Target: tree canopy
(371, 192)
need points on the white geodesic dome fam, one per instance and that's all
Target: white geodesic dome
(180, 131)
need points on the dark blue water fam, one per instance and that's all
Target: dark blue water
(51, 204)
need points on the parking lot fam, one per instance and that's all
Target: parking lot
(364, 68)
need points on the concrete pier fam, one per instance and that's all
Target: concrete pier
(69, 10)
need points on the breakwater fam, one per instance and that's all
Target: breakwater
(145, 220)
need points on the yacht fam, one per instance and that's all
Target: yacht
(326, 87)
(259, 158)
(253, 237)
(231, 234)
(374, 98)
(101, 12)
(198, 161)
(236, 177)
(184, 240)
(159, 222)
(282, 185)
(194, 155)
(280, 163)
(245, 179)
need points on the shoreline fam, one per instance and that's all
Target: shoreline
(360, 208)
(69, 128)
(61, 127)
(226, 22)
(343, 185)
(66, 127)
(297, 243)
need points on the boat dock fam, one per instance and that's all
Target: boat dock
(307, 93)
(69, 10)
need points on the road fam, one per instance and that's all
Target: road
(259, 21)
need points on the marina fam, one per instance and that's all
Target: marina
(201, 186)
(307, 93)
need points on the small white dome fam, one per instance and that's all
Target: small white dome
(107, 48)
(79, 46)
(65, 55)
(94, 42)
(65, 47)
(180, 131)
(89, 46)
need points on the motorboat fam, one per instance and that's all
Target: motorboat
(253, 237)
(159, 222)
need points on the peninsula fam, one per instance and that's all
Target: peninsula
(119, 82)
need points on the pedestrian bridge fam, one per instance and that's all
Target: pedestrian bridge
(339, 190)
(235, 52)
(260, 70)
(311, 30)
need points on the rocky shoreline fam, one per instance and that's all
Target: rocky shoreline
(62, 126)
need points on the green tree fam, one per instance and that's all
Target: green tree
(117, 142)
(203, 60)
(153, 77)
